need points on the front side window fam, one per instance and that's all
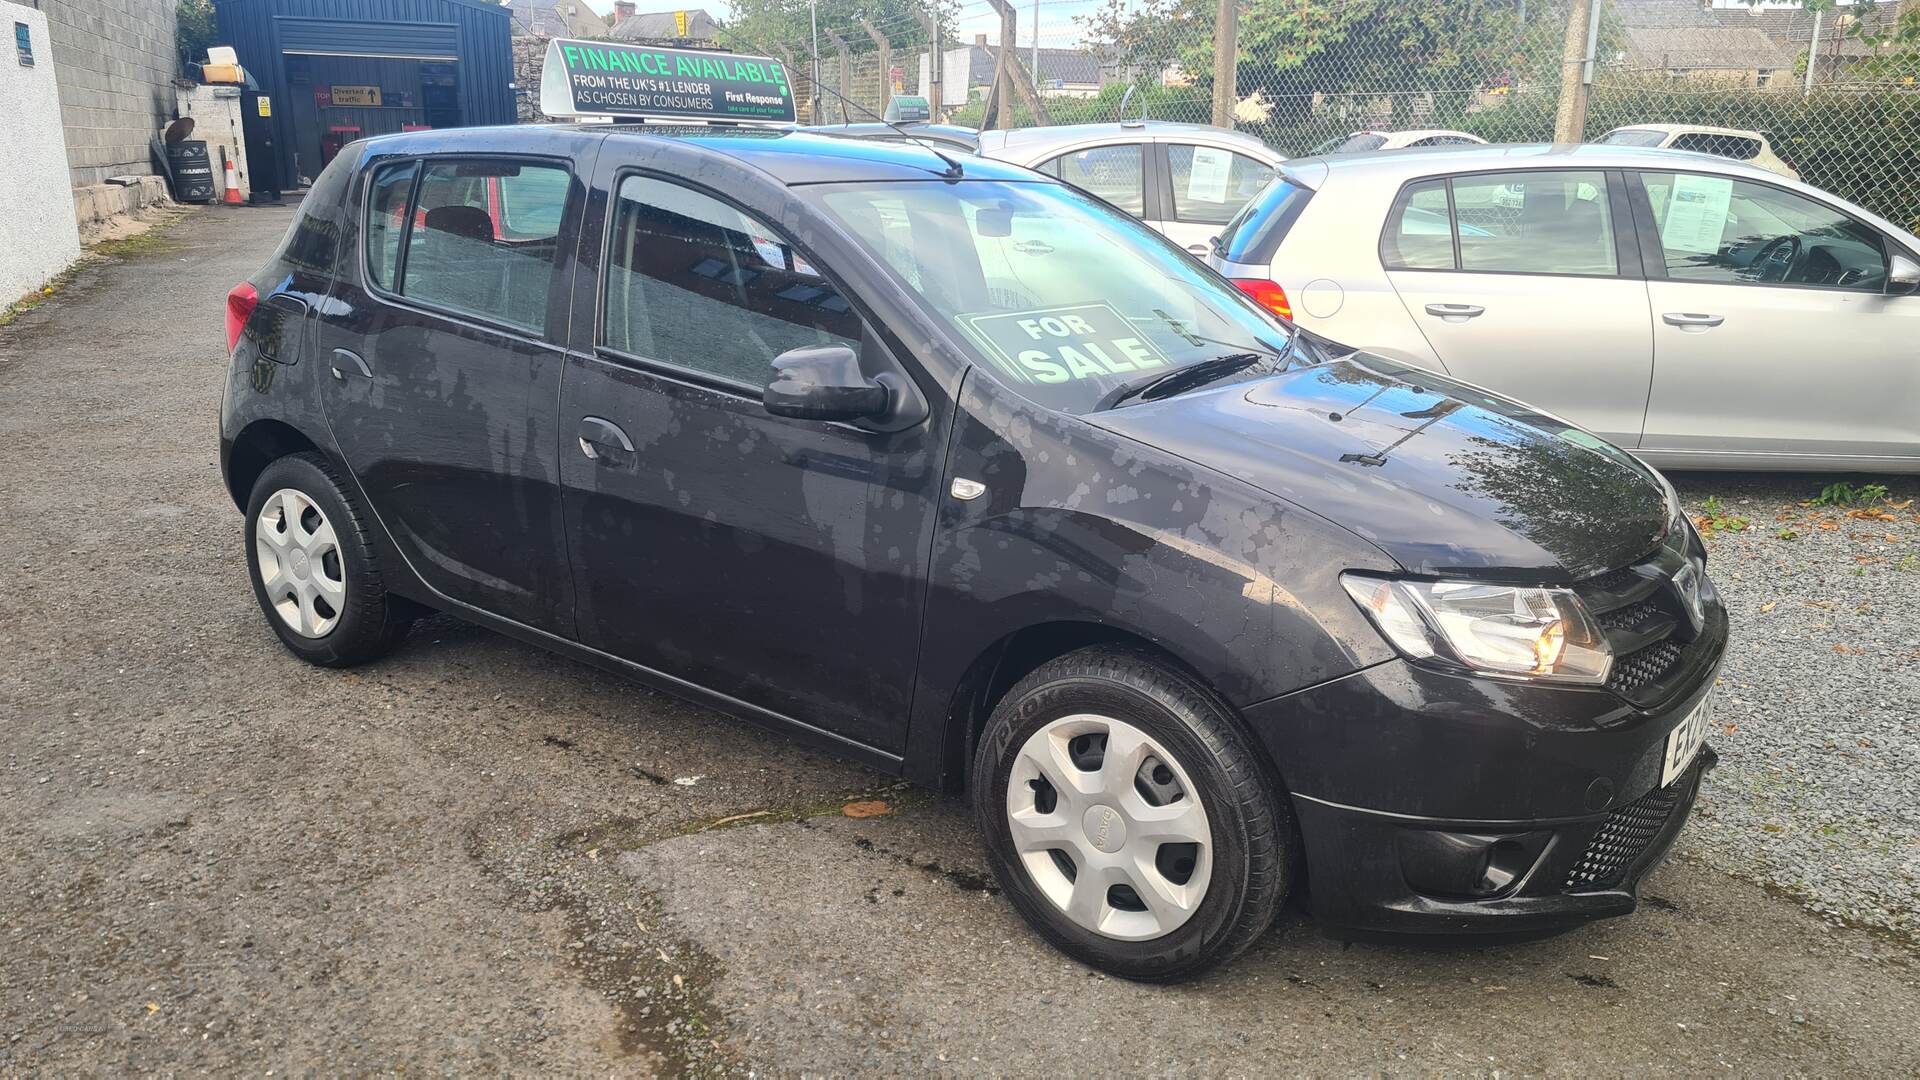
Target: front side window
(461, 251)
(1063, 297)
(1718, 229)
(1515, 223)
(1111, 172)
(1210, 184)
(694, 283)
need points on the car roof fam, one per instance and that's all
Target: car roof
(1705, 129)
(1024, 141)
(1435, 160)
(946, 135)
(789, 155)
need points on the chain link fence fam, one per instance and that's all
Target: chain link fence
(1836, 91)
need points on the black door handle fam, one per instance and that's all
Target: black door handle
(598, 436)
(347, 362)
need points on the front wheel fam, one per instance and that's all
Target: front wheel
(314, 568)
(1127, 818)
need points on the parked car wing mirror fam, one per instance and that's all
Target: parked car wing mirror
(1903, 276)
(823, 383)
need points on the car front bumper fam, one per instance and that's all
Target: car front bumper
(1431, 803)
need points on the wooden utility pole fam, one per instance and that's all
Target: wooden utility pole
(1226, 61)
(935, 56)
(1570, 123)
(885, 47)
(840, 50)
(1018, 78)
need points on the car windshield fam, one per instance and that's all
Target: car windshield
(1061, 294)
(1631, 137)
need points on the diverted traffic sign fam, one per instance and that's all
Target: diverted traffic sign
(604, 78)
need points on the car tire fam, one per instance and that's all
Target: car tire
(1108, 823)
(318, 581)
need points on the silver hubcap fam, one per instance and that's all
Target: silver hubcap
(300, 563)
(1110, 827)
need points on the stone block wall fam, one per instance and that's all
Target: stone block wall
(115, 61)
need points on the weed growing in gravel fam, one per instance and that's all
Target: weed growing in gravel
(1714, 518)
(1843, 493)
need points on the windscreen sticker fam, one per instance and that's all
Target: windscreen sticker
(1696, 213)
(1064, 344)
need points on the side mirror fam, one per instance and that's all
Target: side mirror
(823, 383)
(1903, 276)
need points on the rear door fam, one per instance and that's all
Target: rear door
(1205, 187)
(1773, 333)
(445, 372)
(1528, 283)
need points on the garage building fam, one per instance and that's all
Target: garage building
(333, 71)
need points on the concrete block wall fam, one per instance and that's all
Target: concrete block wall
(116, 61)
(37, 233)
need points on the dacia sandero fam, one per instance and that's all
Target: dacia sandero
(964, 473)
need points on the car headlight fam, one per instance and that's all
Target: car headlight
(1513, 631)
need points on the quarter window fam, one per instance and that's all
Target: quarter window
(1111, 172)
(694, 283)
(387, 223)
(1210, 184)
(1547, 222)
(1718, 229)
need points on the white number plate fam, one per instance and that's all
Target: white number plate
(1685, 740)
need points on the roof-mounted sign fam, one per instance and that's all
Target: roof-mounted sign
(605, 78)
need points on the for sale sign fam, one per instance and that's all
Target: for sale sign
(602, 78)
(1056, 345)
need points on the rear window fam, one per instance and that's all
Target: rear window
(1255, 232)
(1629, 137)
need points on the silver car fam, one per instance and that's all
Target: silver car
(1185, 180)
(1699, 311)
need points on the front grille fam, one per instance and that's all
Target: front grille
(1625, 836)
(1637, 669)
(1631, 617)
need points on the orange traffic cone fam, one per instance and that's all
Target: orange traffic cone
(232, 197)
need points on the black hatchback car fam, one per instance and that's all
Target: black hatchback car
(970, 476)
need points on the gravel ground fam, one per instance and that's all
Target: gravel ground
(1818, 790)
(475, 858)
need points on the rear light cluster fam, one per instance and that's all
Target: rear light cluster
(240, 305)
(1267, 294)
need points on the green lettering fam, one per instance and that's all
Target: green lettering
(570, 55)
(1136, 352)
(1078, 363)
(1116, 366)
(1043, 367)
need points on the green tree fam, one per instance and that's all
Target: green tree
(197, 30)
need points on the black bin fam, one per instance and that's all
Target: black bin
(192, 171)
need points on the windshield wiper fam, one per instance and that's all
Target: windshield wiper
(1169, 383)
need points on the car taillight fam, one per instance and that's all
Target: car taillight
(1267, 294)
(240, 304)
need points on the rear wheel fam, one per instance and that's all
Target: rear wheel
(314, 569)
(1127, 818)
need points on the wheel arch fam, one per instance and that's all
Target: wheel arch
(257, 446)
(1014, 656)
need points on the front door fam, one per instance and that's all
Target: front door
(443, 382)
(1773, 332)
(1525, 283)
(1206, 186)
(780, 562)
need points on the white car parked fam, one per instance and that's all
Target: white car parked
(1751, 147)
